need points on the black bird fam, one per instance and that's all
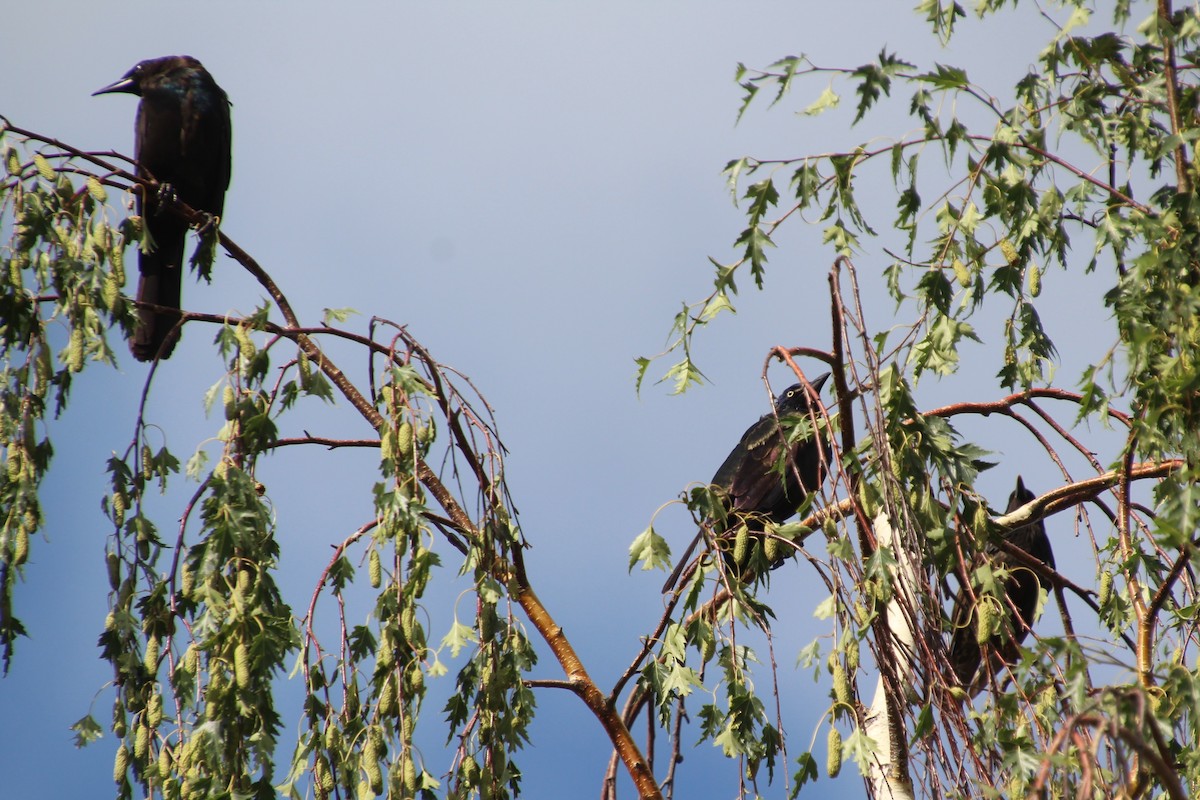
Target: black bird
(755, 489)
(1020, 600)
(182, 140)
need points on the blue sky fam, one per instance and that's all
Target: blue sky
(533, 188)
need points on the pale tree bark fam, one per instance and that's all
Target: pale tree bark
(886, 772)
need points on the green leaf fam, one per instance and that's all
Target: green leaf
(651, 550)
(828, 99)
(946, 77)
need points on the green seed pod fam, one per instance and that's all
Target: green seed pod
(191, 659)
(773, 548)
(371, 763)
(333, 736)
(1106, 587)
(324, 776)
(1009, 252)
(374, 776)
(120, 504)
(154, 711)
(13, 462)
(1035, 279)
(408, 774)
(243, 581)
(43, 167)
(227, 402)
(741, 545)
(96, 189)
(487, 623)
(408, 623)
(426, 433)
(164, 761)
(21, 547)
(150, 657)
(961, 273)
(141, 741)
(852, 656)
(841, 684)
(124, 593)
(119, 728)
(375, 569)
(187, 579)
(120, 764)
(363, 791)
(114, 570)
(387, 696)
(75, 349)
(404, 442)
(985, 620)
(371, 746)
(833, 760)
(406, 729)
(416, 679)
(241, 665)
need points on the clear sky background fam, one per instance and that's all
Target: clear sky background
(533, 188)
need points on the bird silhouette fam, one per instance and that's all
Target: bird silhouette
(1019, 602)
(756, 491)
(182, 140)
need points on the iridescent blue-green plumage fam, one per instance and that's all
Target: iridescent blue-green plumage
(182, 140)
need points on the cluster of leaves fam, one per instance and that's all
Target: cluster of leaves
(1096, 138)
(198, 631)
(60, 282)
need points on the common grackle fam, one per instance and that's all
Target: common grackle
(182, 140)
(756, 491)
(1020, 600)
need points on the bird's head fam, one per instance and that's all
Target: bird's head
(794, 400)
(1019, 497)
(144, 72)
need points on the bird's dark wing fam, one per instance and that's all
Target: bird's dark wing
(207, 139)
(157, 145)
(749, 474)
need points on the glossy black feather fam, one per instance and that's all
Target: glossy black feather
(182, 138)
(760, 482)
(1021, 598)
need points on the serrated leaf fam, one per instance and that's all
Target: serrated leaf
(826, 608)
(651, 550)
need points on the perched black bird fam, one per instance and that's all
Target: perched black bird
(756, 490)
(1020, 601)
(182, 140)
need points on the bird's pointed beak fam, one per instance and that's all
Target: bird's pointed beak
(819, 381)
(1020, 485)
(125, 84)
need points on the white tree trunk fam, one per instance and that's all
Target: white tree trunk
(881, 772)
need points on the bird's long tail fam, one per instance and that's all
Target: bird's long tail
(161, 280)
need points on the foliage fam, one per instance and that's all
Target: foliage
(1093, 145)
(993, 200)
